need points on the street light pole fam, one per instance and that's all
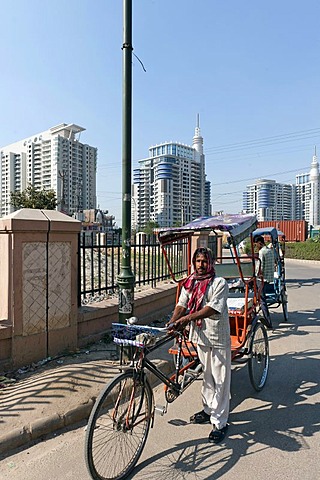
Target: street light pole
(126, 277)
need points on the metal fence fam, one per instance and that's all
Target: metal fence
(100, 263)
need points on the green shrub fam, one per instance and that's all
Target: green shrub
(316, 239)
(247, 246)
(308, 250)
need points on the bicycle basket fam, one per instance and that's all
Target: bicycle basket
(132, 335)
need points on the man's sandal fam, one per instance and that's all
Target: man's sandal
(200, 417)
(216, 436)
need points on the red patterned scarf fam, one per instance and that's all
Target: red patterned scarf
(197, 284)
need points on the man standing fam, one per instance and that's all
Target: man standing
(267, 269)
(203, 304)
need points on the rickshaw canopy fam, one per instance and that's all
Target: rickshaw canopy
(239, 226)
(271, 231)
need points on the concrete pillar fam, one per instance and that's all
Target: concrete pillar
(199, 239)
(38, 250)
(219, 248)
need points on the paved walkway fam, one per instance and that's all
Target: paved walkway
(56, 393)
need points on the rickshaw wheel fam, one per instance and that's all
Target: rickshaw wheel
(284, 303)
(258, 362)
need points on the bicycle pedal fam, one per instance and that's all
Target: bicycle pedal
(191, 374)
(195, 371)
(160, 410)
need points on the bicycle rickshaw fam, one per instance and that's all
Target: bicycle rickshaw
(249, 340)
(276, 294)
(124, 411)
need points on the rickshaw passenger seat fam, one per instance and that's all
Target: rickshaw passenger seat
(269, 288)
(230, 270)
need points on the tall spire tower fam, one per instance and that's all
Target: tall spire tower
(199, 158)
(197, 141)
(314, 217)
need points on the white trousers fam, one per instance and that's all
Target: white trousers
(216, 364)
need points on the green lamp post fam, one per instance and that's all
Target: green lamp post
(126, 277)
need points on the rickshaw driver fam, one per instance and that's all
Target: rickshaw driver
(203, 304)
(267, 268)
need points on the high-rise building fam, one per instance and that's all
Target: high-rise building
(274, 201)
(207, 199)
(169, 187)
(308, 194)
(269, 200)
(53, 160)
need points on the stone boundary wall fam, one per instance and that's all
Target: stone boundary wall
(94, 321)
(151, 304)
(39, 313)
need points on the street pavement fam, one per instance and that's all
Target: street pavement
(58, 393)
(273, 434)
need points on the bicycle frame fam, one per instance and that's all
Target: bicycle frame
(173, 388)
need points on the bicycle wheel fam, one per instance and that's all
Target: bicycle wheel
(258, 362)
(284, 303)
(118, 427)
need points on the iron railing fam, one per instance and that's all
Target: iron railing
(100, 262)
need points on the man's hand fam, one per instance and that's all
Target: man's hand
(177, 315)
(171, 326)
(178, 325)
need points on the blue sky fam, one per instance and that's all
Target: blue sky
(250, 69)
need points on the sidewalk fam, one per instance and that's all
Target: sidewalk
(57, 393)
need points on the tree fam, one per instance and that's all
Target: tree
(32, 197)
(148, 229)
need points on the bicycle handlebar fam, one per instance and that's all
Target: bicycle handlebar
(138, 335)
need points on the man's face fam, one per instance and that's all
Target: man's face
(201, 264)
(258, 246)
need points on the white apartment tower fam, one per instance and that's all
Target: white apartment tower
(169, 187)
(269, 200)
(308, 194)
(54, 159)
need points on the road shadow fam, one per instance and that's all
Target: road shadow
(284, 419)
(305, 282)
(299, 323)
(285, 416)
(51, 388)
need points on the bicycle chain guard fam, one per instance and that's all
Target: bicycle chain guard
(170, 395)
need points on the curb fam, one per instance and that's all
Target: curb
(300, 260)
(23, 436)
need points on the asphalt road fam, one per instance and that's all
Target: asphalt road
(273, 434)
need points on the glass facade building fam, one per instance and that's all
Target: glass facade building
(170, 187)
(274, 201)
(269, 200)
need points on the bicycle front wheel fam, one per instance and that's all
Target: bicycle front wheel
(118, 427)
(284, 302)
(258, 362)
